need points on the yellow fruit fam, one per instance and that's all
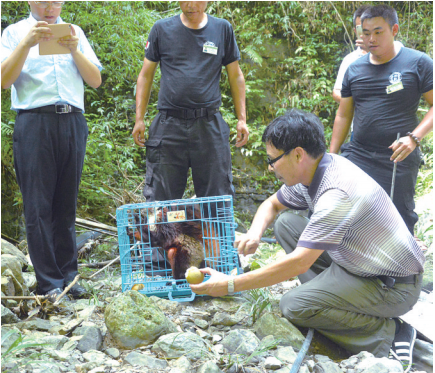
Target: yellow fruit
(138, 287)
(194, 275)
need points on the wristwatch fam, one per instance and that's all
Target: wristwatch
(231, 286)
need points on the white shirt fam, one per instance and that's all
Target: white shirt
(46, 80)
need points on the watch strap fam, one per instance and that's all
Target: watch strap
(231, 285)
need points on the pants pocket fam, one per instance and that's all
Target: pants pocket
(153, 150)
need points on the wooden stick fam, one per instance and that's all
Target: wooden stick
(60, 296)
(24, 297)
(96, 265)
(93, 224)
(108, 264)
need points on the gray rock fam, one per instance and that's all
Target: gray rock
(280, 328)
(100, 358)
(8, 287)
(286, 354)
(378, 365)
(30, 280)
(167, 306)
(327, 367)
(218, 348)
(8, 317)
(8, 336)
(38, 324)
(273, 363)
(135, 358)
(91, 340)
(112, 352)
(8, 248)
(422, 357)
(133, 320)
(182, 365)
(209, 367)
(175, 345)
(11, 267)
(225, 319)
(321, 359)
(201, 323)
(241, 342)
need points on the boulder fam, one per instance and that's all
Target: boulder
(241, 341)
(133, 320)
(8, 248)
(11, 267)
(175, 345)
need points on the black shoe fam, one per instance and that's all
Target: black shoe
(77, 291)
(53, 294)
(403, 345)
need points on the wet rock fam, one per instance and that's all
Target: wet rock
(241, 342)
(137, 359)
(133, 320)
(280, 328)
(175, 345)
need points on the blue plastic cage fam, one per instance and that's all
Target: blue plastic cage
(144, 261)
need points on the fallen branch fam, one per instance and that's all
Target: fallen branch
(108, 264)
(92, 224)
(98, 264)
(61, 295)
(24, 297)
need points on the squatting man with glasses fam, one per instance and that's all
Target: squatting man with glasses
(359, 266)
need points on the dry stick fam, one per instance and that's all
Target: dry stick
(60, 296)
(95, 265)
(24, 297)
(102, 269)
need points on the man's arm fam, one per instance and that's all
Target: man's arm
(88, 71)
(237, 86)
(143, 91)
(293, 264)
(342, 123)
(265, 215)
(12, 66)
(406, 145)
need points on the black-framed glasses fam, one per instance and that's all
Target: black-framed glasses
(272, 161)
(46, 4)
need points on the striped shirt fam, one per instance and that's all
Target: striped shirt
(354, 220)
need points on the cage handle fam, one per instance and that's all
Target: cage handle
(191, 298)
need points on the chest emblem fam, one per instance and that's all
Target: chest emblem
(395, 78)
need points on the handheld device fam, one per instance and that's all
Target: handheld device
(359, 31)
(52, 46)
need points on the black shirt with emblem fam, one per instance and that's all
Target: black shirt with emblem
(379, 116)
(191, 61)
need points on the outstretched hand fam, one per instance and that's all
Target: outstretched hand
(246, 244)
(215, 286)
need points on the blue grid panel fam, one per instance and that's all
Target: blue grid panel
(137, 223)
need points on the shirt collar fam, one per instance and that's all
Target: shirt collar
(318, 175)
(33, 19)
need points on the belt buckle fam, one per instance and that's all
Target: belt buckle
(62, 108)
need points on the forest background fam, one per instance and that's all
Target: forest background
(291, 52)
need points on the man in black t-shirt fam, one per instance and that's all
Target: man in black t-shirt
(381, 92)
(189, 130)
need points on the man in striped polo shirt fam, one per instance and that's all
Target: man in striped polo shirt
(359, 265)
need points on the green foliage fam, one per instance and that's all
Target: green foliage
(290, 51)
(258, 301)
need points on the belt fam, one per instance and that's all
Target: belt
(389, 281)
(55, 109)
(190, 113)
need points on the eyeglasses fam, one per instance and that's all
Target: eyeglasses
(272, 161)
(46, 4)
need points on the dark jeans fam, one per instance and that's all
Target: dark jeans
(176, 144)
(380, 168)
(49, 151)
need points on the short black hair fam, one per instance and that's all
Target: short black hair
(296, 128)
(359, 12)
(384, 11)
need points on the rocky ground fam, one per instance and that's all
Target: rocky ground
(111, 331)
(129, 332)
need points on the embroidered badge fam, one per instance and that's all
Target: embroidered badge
(395, 78)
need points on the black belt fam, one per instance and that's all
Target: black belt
(55, 109)
(389, 281)
(190, 113)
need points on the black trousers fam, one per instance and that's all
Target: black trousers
(49, 151)
(380, 168)
(176, 144)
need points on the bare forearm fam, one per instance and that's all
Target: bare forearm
(237, 86)
(425, 126)
(12, 66)
(264, 216)
(143, 92)
(339, 133)
(89, 72)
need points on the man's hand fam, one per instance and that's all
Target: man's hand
(37, 34)
(247, 244)
(360, 43)
(242, 133)
(71, 41)
(139, 133)
(215, 286)
(402, 148)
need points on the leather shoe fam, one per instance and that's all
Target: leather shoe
(53, 294)
(77, 291)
